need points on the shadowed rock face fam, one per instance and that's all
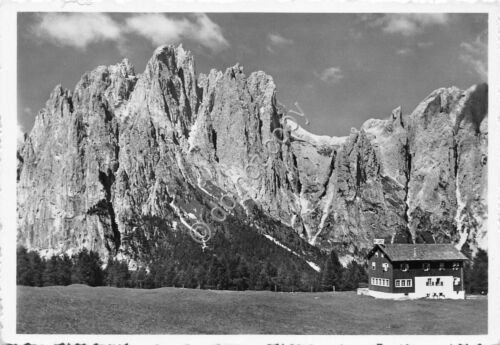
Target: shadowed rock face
(168, 144)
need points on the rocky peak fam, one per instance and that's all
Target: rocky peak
(235, 72)
(169, 62)
(397, 116)
(172, 58)
(108, 86)
(60, 100)
(124, 68)
(167, 93)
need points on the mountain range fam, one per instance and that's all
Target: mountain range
(209, 153)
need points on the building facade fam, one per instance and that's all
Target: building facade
(408, 271)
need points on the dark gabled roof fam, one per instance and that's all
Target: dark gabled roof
(419, 252)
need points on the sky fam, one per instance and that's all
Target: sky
(341, 69)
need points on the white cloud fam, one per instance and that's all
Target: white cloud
(162, 29)
(406, 24)
(77, 29)
(331, 75)
(207, 32)
(403, 51)
(20, 134)
(475, 55)
(157, 28)
(277, 41)
(81, 29)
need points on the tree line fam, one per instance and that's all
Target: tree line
(84, 267)
(476, 274)
(218, 272)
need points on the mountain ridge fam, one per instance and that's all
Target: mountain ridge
(124, 145)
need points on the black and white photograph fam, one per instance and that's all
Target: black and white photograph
(211, 172)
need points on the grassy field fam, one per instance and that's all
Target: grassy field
(105, 310)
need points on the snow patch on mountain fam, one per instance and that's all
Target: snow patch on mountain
(312, 264)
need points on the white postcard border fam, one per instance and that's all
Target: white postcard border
(8, 163)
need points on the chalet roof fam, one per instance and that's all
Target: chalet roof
(419, 252)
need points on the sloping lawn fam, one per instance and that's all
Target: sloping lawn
(106, 310)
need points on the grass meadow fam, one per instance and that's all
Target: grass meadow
(105, 310)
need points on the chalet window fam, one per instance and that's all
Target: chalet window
(403, 283)
(426, 266)
(404, 267)
(380, 282)
(456, 266)
(374, 265)
(441, 266)
(385, 266)
(376, 254)
(381, 255)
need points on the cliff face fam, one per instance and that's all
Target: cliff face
(169, 144)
